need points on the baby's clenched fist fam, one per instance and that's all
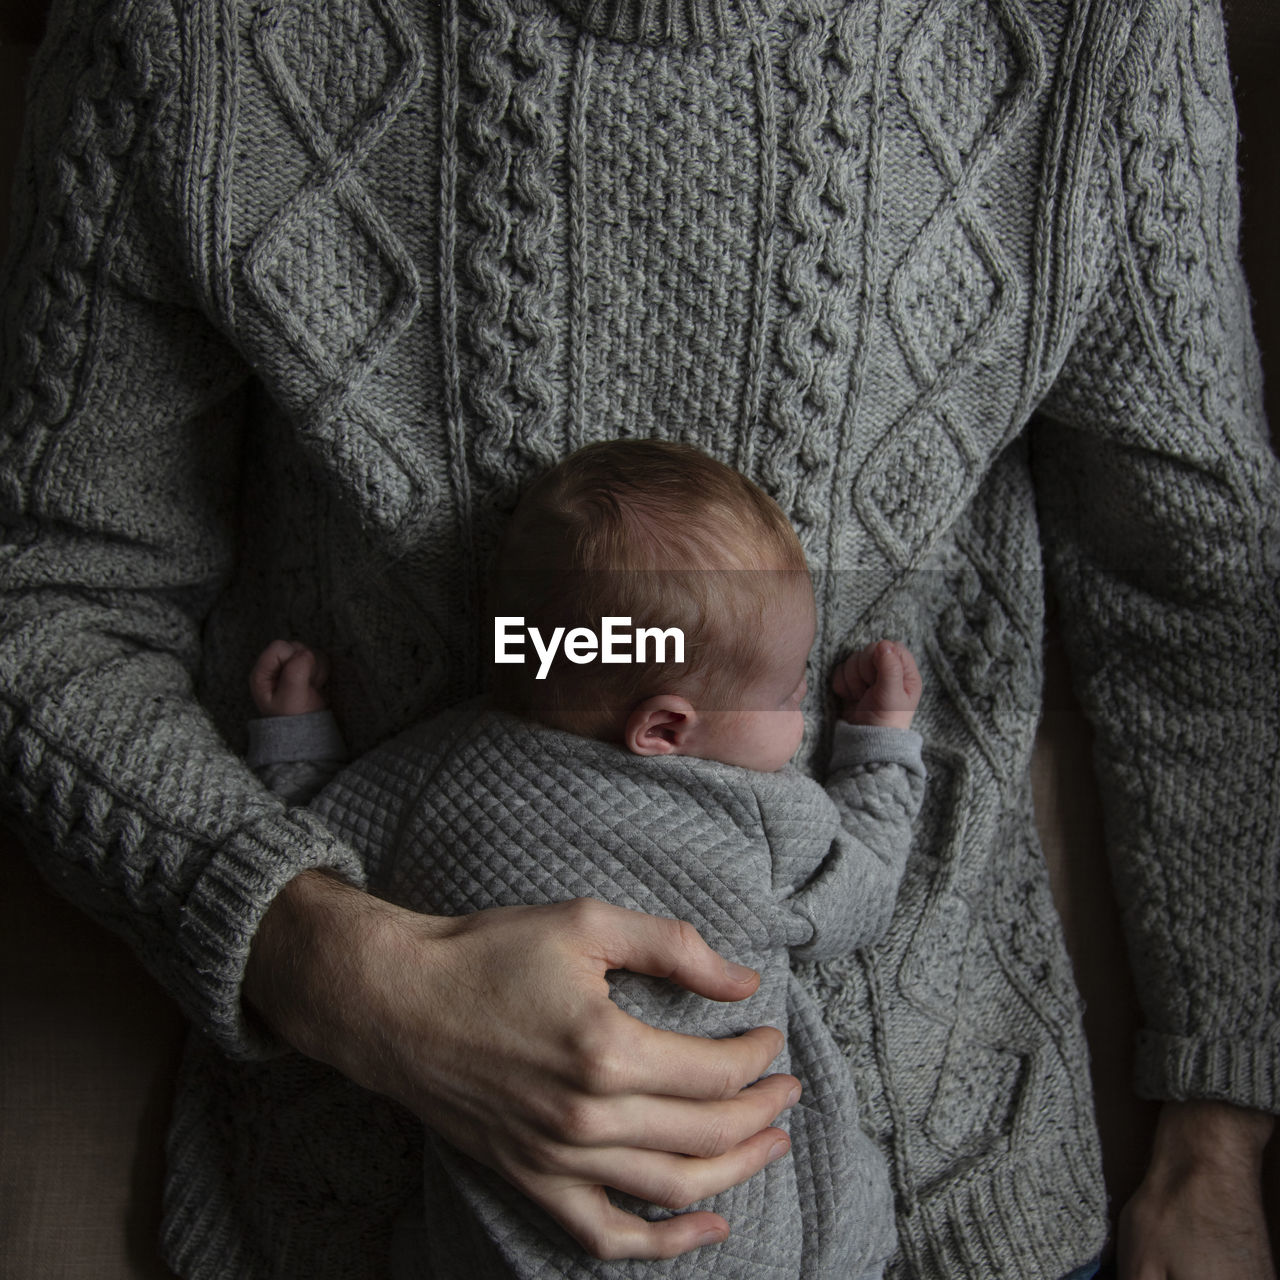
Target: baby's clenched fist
(879, 685)
(288, 679)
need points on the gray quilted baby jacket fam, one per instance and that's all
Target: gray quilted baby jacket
(477, 809)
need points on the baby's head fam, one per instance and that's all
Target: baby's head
(664, 535)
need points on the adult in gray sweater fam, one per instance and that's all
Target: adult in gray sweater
(303, 293)
(674, 805)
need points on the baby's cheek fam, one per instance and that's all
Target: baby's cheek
(796, 735)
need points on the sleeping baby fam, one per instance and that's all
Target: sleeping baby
(653, 618)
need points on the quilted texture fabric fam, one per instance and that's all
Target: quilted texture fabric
(479, 809)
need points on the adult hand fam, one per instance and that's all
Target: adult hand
(498, 1031)
(1198, 1214)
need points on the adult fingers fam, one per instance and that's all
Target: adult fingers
(660, 947)
(674, 1181)
(681, 1126)
(626, 1055)
(616, 1054)
(605, 1231)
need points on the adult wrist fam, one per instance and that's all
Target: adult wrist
(299, 944)
(1211, 1134)
(325, 971)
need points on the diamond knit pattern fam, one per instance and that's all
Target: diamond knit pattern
(334, 64)
(964, 68)
(921, 468)
(334, 279)
(961, 263)
(969, 73)
(295, 267)
(304, 261)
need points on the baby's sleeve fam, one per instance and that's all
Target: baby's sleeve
(296, 756)
(874, 790)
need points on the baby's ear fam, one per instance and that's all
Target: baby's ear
(659, 726)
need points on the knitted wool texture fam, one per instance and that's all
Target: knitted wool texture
(303, 293)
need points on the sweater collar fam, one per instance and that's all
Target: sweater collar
(685, 22)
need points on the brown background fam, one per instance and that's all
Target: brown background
(89, 1044)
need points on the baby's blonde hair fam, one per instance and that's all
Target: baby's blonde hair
(658, 532)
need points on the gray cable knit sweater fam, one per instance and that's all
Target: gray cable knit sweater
(766, 866)
(303, 292)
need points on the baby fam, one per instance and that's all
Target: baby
(658, 785)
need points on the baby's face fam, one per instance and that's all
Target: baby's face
(764, 732)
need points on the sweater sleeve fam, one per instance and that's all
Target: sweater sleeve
(876, 783)
(1160, 504)
(119, 457)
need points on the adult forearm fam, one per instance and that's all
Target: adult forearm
(311, 977)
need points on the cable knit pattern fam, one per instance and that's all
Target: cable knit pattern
(969, 75)
(308, 290)
(828, 70)
(1177, 146)
(327, 268)
(333, 71)
(50, 292)
(967, 72)
(672, 21)
(510, 211)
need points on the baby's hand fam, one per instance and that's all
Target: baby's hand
(879, 685)
(288, 679)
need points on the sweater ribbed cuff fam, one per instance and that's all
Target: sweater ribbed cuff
(227, 904)
(859, 744)
(1177, 1068)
